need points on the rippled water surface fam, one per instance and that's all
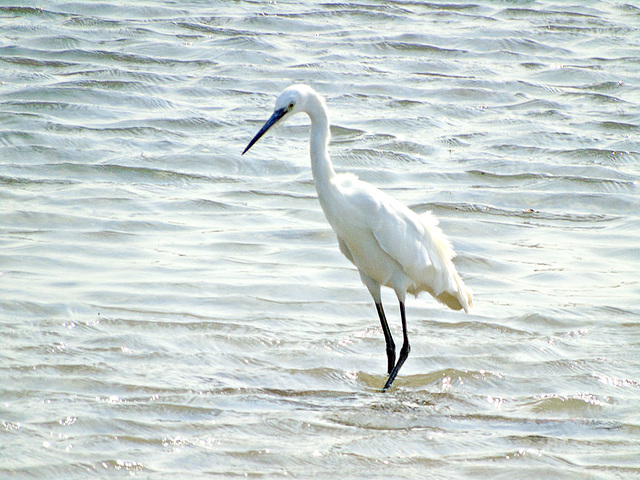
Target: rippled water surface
(172, 309)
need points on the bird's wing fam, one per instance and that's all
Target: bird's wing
(414, 241)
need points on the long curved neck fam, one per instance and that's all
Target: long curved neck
(321, 166)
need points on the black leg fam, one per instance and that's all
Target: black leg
(404, 351)
(391, 347)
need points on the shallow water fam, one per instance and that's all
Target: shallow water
(171, 309)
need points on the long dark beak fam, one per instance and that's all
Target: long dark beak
(277, 115)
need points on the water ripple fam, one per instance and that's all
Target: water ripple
(169, 305)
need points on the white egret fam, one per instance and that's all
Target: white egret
(389, 244)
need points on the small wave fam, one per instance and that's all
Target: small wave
(570, 405)
(595, 97)
(509, 179)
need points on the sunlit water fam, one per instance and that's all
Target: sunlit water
(172, 309)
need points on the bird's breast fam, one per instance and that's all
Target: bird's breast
(350, 210)
(369, 258)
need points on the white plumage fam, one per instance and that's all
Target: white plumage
(389, 244)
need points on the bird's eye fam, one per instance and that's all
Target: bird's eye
(291, 105)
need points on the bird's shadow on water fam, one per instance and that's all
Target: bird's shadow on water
(411, 409)
(399, 408)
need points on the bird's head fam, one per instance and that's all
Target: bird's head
(291, 101)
